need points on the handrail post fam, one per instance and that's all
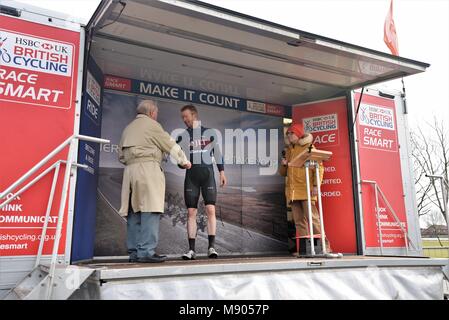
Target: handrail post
(320, 206)
(379, 227)
(309, 207)
(61, 212)
(444, 190)
(47, 214)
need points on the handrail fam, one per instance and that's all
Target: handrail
(69, 164)
(47, 158)
(404, 231)
(397, 219)
(47, 213)
(36, 179)
(444, 187)
(379, 226)
(37, 166)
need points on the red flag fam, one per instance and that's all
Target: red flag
(390, 36)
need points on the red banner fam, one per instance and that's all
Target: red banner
(38, 77)
(380, 162)
(117, 83)
(327, 121)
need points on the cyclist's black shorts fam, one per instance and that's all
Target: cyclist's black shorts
(200, 178)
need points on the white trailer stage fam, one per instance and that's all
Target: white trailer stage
(270, 278)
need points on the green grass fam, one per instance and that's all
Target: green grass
(435, 243)
(435, 253)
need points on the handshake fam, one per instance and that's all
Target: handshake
(188, 165)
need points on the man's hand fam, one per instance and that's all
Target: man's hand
(284, 162)
(223, 180)
(314, 191)
(188, 165)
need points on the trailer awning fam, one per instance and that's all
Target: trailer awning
(194, 44)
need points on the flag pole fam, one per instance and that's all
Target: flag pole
(391, 40)
(403, 96)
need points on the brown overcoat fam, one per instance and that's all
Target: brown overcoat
(141, 149)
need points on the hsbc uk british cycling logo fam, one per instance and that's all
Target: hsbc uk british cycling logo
(5, 57)
(327, 122)
(376, 116)
(35, 54)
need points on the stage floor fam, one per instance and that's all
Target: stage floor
(116, 269)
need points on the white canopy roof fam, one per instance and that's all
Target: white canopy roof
(194, 44)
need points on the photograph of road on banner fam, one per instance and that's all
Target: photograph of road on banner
(250, 209)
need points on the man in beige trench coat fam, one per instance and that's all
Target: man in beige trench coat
(141, 149)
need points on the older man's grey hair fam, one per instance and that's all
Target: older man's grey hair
(146, 107)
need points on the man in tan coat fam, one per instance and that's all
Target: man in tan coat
(141, 149)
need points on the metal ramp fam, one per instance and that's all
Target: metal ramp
(38, 285)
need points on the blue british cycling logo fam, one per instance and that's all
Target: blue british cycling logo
(363, 115)
(376, 116)
(4, 55)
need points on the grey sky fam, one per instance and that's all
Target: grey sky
(423, 35)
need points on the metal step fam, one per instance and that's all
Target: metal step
(26, 285)
(66, 280)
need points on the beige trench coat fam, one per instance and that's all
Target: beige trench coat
(295, 187)
(141, 149)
